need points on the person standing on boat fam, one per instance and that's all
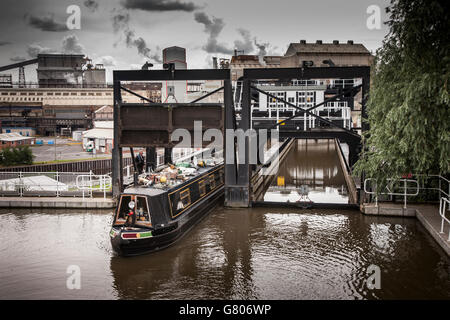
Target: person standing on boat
(140, 161)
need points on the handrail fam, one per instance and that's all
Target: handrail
(391, 193)
(442, 208)
(440, 189)
(84, 182)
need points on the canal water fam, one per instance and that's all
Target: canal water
(257, 253)
(311, 172)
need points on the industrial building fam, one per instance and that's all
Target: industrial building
(305, 93)
(69, 90)
(14, 139)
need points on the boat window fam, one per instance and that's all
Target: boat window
(185, 197)
(202, 187)
(142, 212)
(212, 181)
(123, 207)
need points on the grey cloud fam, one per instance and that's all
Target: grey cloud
(159, 5)
(139, 43)
(46, 23)
(212, 28)
(107, 61)
(4, 43)
(91, 4)
(18, 59)
(34, 49)
(246, 45)
(120, 21)
(262, 48)
(71, 44)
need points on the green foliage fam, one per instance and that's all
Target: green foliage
(408, 108)
(16, 156)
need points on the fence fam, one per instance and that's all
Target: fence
(102, 166)
(444, 205)
(53, 184)
(393, 188)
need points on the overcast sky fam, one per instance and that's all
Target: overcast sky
(123, 34)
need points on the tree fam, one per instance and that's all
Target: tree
(408, 108)
(16, 156)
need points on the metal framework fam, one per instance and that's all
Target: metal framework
(151, 124)
(239, 194)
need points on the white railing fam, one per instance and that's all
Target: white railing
(52, 184)
(390, 192)
(91, 182)
(442, 182)
(444, 205)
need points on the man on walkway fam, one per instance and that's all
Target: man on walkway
(140, 162)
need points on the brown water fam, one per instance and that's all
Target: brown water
(312, 166)
(237, 254)
(256, 253)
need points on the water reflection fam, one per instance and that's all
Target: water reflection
(259, 254)
(311, 172)
(256, 253)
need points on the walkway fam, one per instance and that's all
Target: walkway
(428, 215)
(57, 202)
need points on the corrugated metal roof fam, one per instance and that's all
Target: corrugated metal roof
(326, 48)
(99, 134)
(13, 136)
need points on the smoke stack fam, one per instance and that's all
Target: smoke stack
(319, 41)
(335, 41)
(215, 66)
(350, 42)
(303, 41)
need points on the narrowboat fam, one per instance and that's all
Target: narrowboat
(162, 207)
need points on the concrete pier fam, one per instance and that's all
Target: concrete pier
(428, 215)
(57, 202)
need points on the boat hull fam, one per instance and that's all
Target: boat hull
(172, 233)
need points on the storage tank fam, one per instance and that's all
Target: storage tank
(176, 55)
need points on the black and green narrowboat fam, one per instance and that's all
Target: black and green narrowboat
(148, 218)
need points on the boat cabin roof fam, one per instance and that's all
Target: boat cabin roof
(146, 191)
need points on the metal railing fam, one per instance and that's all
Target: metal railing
(442, 182)
(91, 182)
(52, 184)
(444, 205)
(391, 189)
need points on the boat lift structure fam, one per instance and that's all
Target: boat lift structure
(150, 124)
